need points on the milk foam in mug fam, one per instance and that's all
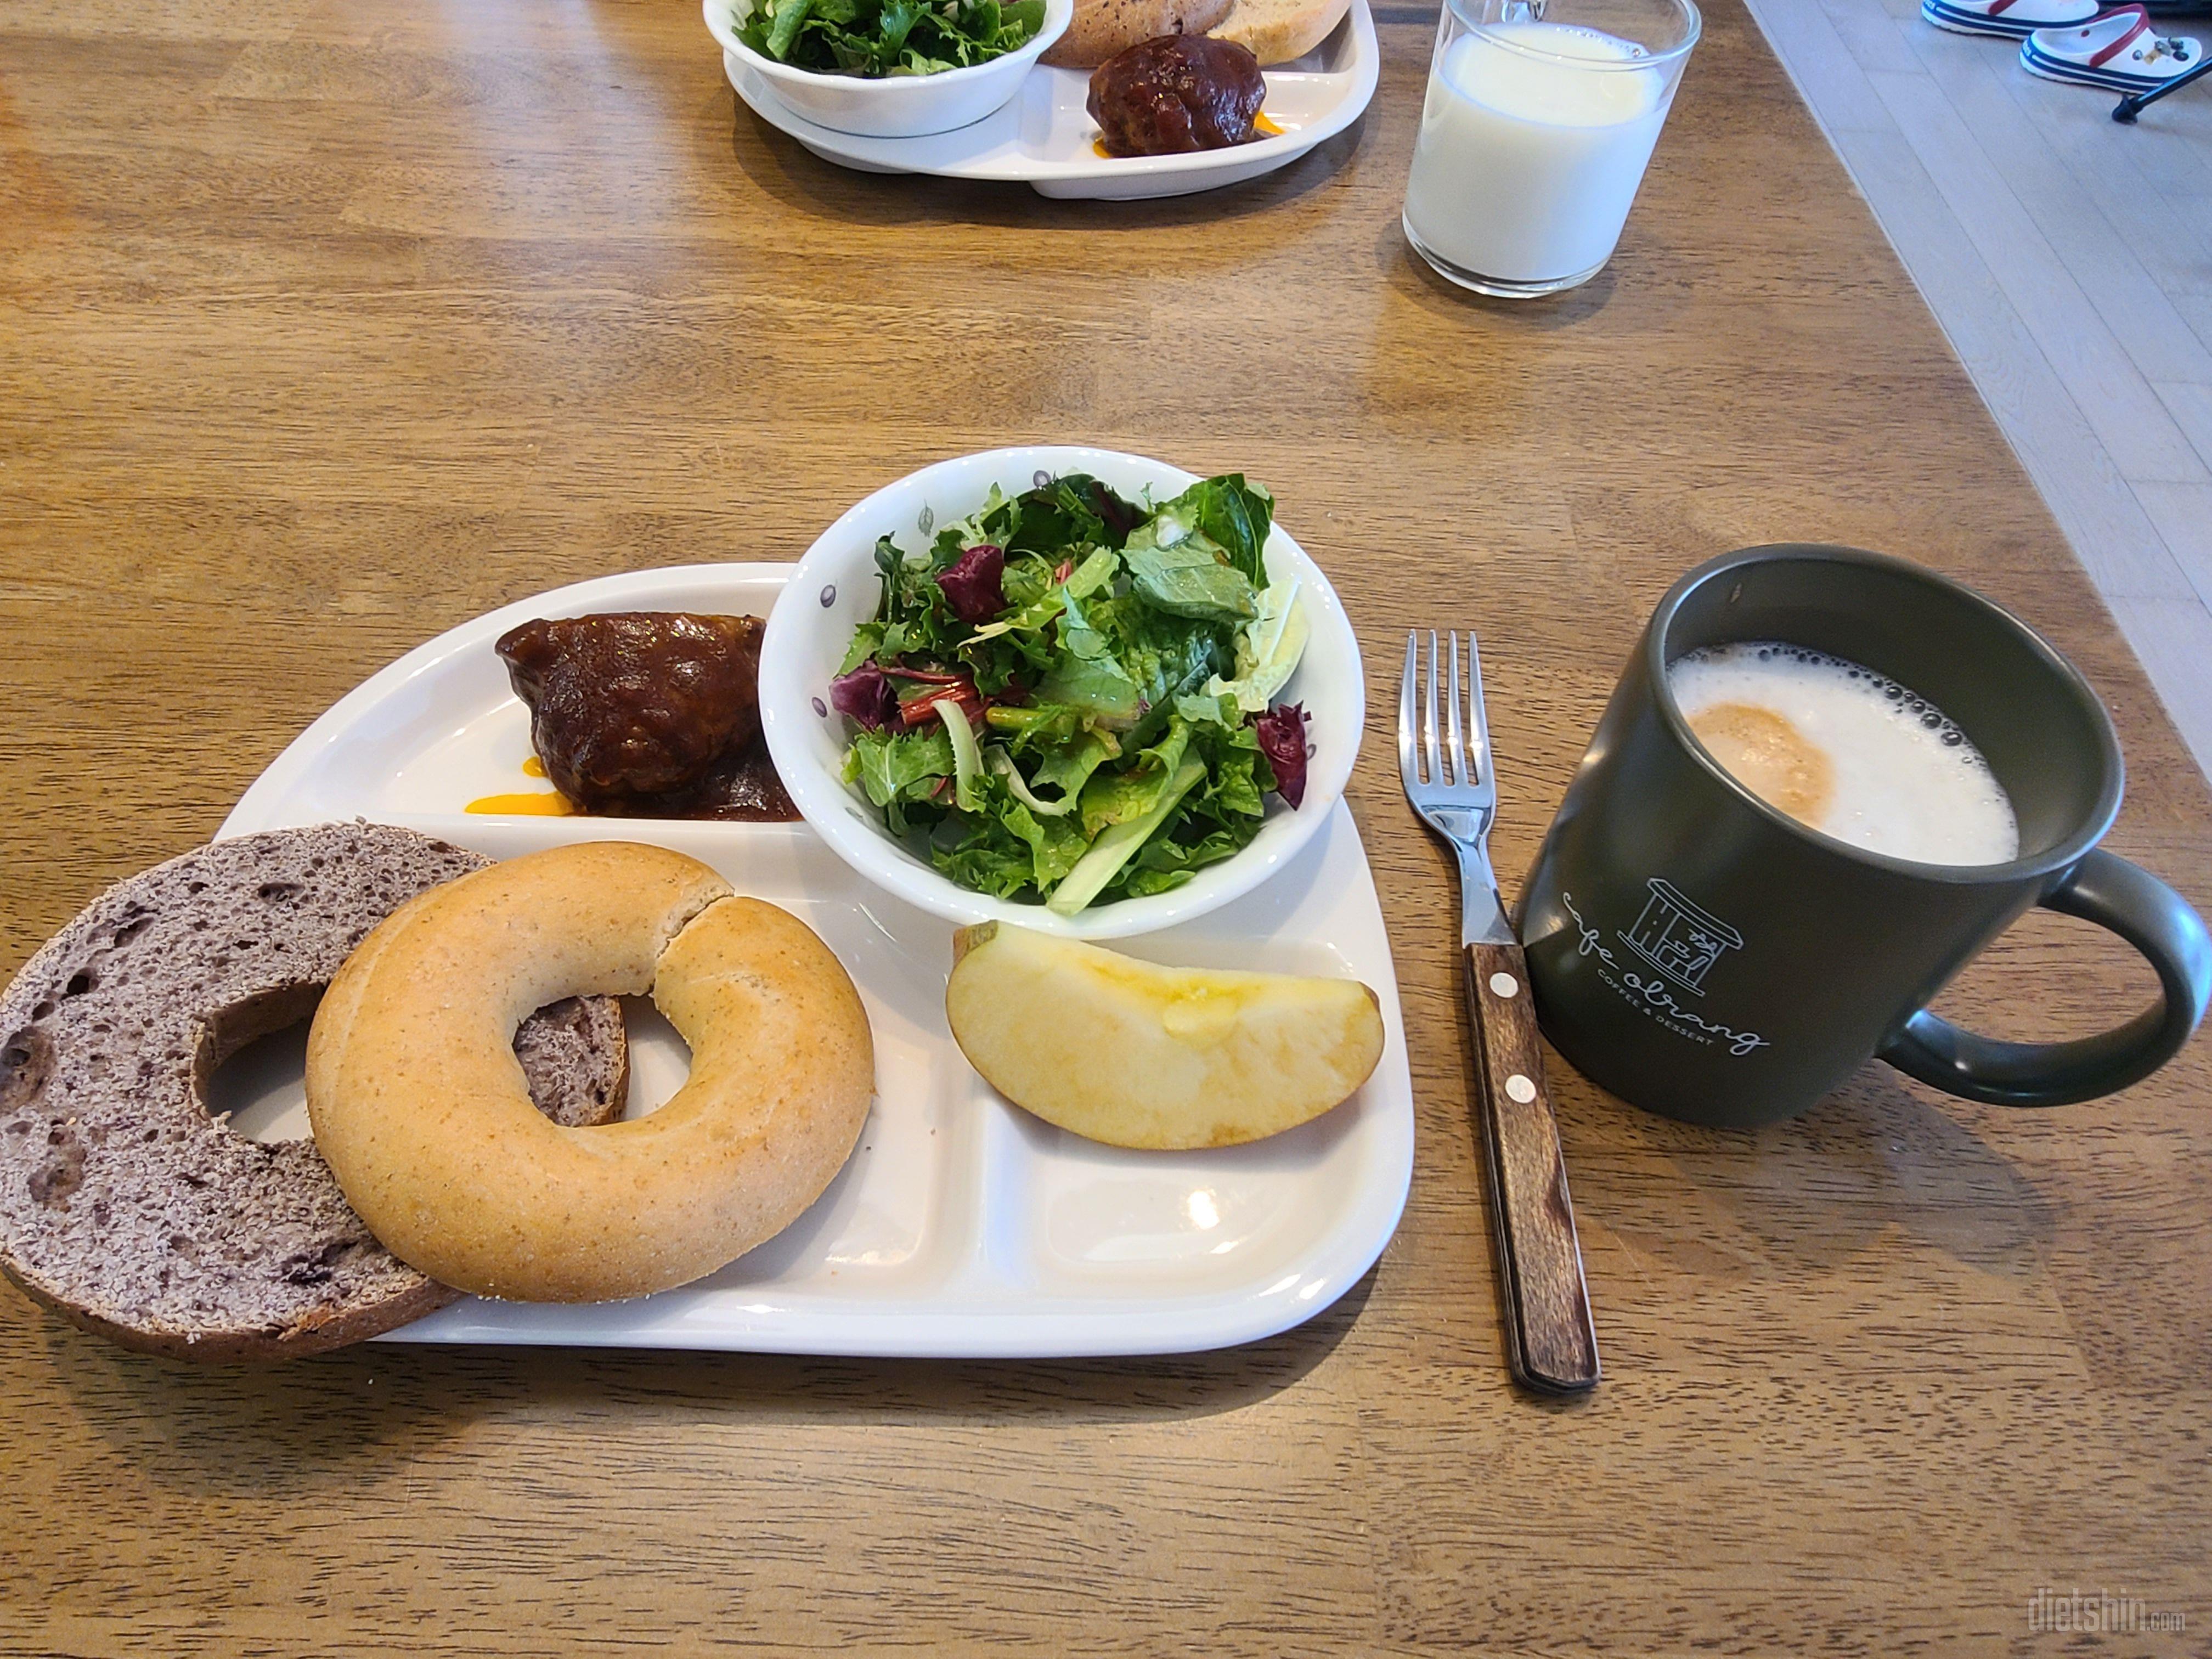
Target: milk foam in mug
(1848, 751)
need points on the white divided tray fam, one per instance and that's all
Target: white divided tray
(961, 1226)
(1043, 138)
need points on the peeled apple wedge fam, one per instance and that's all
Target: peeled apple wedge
(1133, 1054)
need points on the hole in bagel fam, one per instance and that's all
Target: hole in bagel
(659, 1058)
(252, 1064)
(264, 1086)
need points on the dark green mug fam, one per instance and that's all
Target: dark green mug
(1703, 955)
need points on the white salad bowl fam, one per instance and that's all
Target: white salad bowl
(892, 106)
(835, 588)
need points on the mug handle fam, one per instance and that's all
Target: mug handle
(2106, 889)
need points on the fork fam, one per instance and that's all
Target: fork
(1553, 1345)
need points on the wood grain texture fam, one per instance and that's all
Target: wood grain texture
(324, 327)
(1549, 1337)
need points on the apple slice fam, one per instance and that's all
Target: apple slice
(1129, 1054)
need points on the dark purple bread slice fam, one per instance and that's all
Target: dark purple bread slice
(123, 1204)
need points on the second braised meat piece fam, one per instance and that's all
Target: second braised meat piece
(1176, 94)
(633, 707)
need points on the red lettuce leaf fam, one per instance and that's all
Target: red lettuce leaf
(973, 584)
(1282, 734)
(866, 694)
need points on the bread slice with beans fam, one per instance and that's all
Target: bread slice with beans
(128, 1208)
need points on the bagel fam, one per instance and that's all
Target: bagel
(123, 1205)
(417, 1105)
(1106, 29)
(1280, 31)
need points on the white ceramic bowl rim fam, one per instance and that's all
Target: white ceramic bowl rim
(1058, 13)
(795, 671)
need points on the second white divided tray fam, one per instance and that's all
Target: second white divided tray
(1043, 138)
(962, 1227)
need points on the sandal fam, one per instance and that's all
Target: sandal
(2116, 50)
(2011, 19)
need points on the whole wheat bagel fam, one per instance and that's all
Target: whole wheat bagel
(1105, 28)
(418, 1107)
(1280, 31)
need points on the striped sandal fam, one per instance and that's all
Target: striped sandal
(2009, 20)
(2115, 50)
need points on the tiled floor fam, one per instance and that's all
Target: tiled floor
(2070, 261)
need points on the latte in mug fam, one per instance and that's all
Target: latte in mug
(1696, 950)
(1847, 751)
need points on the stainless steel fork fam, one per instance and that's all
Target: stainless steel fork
(1553, 1345)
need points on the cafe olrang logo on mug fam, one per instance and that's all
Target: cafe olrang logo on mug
(1679, 939)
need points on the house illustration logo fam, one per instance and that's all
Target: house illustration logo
(1678, 938)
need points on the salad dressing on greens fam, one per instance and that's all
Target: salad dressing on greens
(1069, 697)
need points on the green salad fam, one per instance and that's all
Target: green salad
(873, 38)
(1068, 697)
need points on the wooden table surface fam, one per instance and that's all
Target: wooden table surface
(324, 326)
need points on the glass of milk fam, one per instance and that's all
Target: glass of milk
(1540, 119)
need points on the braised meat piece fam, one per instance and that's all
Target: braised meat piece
(633, 710)
(1175, 94)
(741, 786)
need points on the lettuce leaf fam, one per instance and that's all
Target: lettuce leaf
(1003, 763)
(1267, 651)
(896, 768)
(1090, 676)
(1192, 579)
(1223, 516)
(1118, 797)
(1068, 766)
(1056, 845)
(967, 758)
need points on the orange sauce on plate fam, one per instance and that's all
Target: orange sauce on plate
(536, 804)
(529, 804)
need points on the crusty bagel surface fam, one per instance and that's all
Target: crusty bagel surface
(1105, 28)
(1279, 31)
(417, 1104)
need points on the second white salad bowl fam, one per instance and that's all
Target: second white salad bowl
(835, 588)
(893, 106)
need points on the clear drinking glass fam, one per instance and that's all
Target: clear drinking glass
(1540, 119)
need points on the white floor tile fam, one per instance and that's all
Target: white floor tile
(2183, 516)
(2190, 404)
(2174, 643)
